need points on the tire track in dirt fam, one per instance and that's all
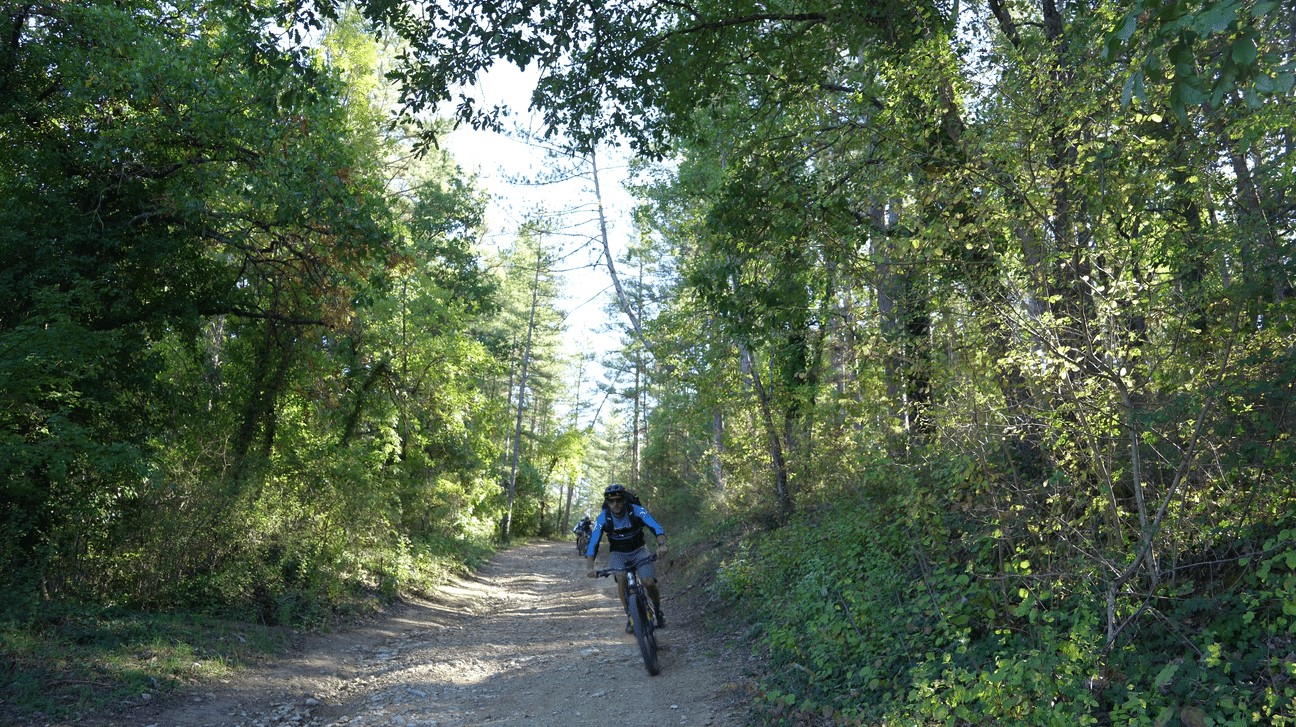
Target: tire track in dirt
(528, 641)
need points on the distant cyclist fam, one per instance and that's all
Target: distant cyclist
(623, 523)
(582, 530)
(584, 526)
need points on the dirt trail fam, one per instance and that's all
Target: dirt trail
(528, 641)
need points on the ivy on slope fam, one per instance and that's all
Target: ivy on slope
(890, 607)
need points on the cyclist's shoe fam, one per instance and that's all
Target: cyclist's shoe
(660, 621)
(629, 626)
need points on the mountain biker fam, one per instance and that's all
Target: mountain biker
(584, 526)
(623, 522)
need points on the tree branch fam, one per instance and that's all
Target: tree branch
(809, 18)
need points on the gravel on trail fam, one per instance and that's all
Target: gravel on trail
(527, 641)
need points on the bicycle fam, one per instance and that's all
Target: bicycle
(582, 542)
(640, 608)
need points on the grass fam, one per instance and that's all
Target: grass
(70, 663)
(59, 662)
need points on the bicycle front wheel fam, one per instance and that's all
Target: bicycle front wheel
(643, 631)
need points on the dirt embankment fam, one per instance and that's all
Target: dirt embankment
(527, 641)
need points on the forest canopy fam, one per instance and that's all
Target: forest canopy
(964, 329)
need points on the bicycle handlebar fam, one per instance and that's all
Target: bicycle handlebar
(605, 572)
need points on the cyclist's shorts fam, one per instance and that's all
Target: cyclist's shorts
(621, 560)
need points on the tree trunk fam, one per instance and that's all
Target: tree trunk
(782, 493)
(517, 430)
(717, 449)
(566, 516)
(261, 407)
(903, 306)
(622, 298)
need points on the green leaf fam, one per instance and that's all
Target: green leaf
(1193, 717)
(1264, 7)
(1181, 54)
(1192, 95)
(1166, 675)
(1244, 51)
(1128, 91)
(1216, 19)
(1127, 28)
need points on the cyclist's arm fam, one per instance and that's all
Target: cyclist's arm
(592, 548)
(648, 520)
(595, 534)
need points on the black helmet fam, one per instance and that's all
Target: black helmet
(614, 490)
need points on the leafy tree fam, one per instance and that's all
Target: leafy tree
(133, 219)
(240, 357)
(527, 331)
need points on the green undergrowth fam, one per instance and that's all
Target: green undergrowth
(72, 660)
(60, 661)
(886, 609)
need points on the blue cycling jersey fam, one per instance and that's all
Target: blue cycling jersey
(625, 533)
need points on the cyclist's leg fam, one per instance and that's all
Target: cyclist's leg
(654, 593)
(621, 560)
(648, 574)
(621, 593)
(621, 588)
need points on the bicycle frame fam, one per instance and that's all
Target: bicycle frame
(640, 610)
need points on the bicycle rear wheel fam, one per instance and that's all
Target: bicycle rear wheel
(643, 631)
